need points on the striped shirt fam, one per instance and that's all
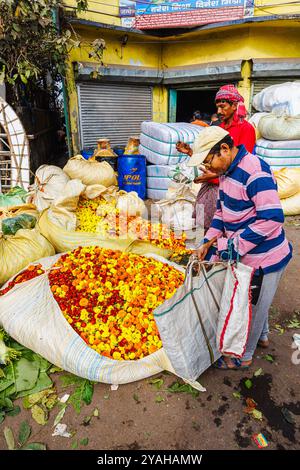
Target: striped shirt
(249, 212)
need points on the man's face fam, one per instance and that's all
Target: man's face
(225, 110)
(219, 162)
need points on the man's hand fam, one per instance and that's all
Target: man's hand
(206, 176)
(203, 250)
(182, 147)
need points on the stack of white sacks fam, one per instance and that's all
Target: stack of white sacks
(278, 136)
(169, 179)
(158, 144)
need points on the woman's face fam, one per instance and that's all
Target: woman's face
(219, 162)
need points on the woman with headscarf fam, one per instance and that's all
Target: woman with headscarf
(232, 113)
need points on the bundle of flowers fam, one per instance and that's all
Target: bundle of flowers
(102, 216)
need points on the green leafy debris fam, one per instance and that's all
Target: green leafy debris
(268, 357)
(237, 395)
(40, 414)
(24, 432)
(157, 383)
(248, 383)
(258, 372)
(178, 387)
(159, 399)
(82, 393)
(9, 438)
(84, 442)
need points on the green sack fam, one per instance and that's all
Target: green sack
(12, 225)
(15, 197)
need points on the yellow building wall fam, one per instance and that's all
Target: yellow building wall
(99, 11)
(137, 53)
(275, 39)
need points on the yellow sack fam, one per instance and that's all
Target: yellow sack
(17, 251)
(291, 205)
(90, 171)
(288, 181)
(58, 225)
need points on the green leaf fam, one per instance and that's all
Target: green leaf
(237, 395)
(74, 445)
(60, 415)
(88, 392)
(16, 27)
(24, 432)
(84, 442)
(177, 387)
(2, 373)
(268, 357)
(248, 383)
(5, 383)
(9, 437)
(14, 412)
(258, 372)
(159, 399)
(257, 414)
(157, 383)
(26, 373)
(34, 446)
(40, 414)
(70, 379)
(34, 398)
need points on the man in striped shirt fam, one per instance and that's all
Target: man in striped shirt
(248, 212)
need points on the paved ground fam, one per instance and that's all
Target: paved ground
(137, 416)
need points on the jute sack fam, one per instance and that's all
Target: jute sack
(17, 251)
(288, 182)
(90, 171)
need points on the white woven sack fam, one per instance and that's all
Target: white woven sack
(49, 184)
(158, 141)
(235, 311)
(279, 154)
(279, 99)
(187, 322)
(158, 177)
(31, 315)
(274, 127)
(156, 194)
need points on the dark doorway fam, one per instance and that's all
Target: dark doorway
(189, 101)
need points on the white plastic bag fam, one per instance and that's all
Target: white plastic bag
(187, 322)
(49, 184)
(279, 99)
(235, 310)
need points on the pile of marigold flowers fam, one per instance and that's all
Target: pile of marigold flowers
(108, 297)
(31, 272)
(101, 216)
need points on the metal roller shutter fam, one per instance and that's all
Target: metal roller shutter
(113, 111)
(259, 84)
